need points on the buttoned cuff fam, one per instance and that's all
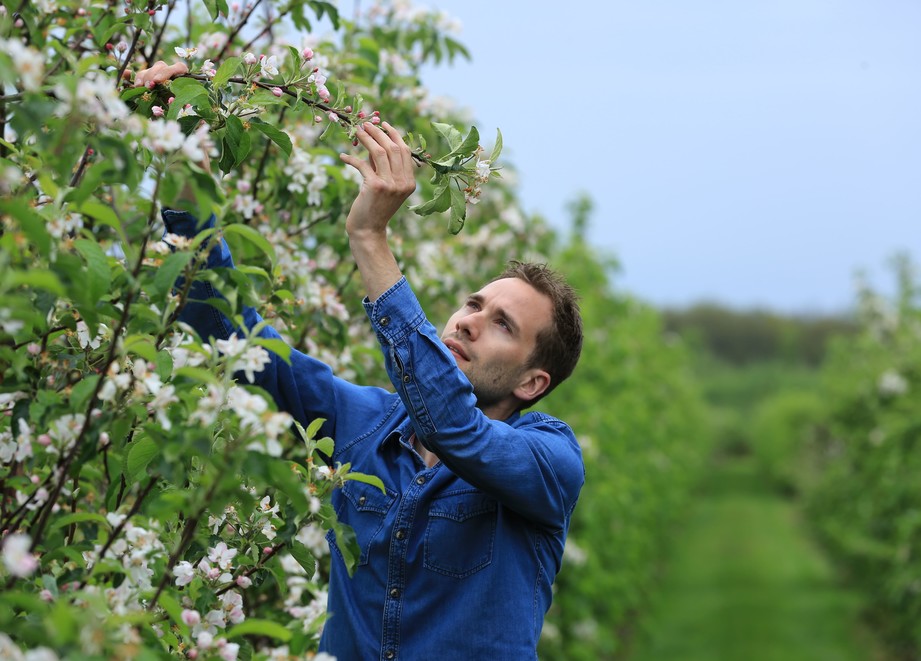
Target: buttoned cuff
(395, 313)
(184, 223)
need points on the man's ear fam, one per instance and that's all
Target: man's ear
(533, 383)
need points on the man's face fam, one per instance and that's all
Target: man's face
(492, 336)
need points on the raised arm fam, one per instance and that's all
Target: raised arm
(388, 179)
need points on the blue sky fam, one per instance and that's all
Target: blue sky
(754, 153)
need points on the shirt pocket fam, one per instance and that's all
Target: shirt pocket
(460, 533)
(363, 508)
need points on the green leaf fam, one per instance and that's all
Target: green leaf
(103, 214)
(79, 517)
(226, 71)
(197, 374)
(186, 90)
(169, 270)
(274, 134)
(373, 480)
(440, 202)
(38, 279)
(257, 627)
(141, 453)
(314, 427)
(347, 544)
(326, 446)
(252, 236)
(82, 391)
(449, 133)
(497, 148)
(470, 143)
(31, 223)
(98, 271)
(458, 210)
(278, 347)
(142, 346)
(304, 558)
(237, 140)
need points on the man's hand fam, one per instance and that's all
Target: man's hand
(159, 73)
(388, 179)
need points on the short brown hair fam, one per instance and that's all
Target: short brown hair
(559, 345)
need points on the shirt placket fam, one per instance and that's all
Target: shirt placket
(396, 570)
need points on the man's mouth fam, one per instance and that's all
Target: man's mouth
(456, 349)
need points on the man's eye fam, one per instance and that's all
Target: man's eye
(473, 305)
(504, 325)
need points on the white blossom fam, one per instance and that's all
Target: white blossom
(163, 136)
(16, 556)
(185, 53)
(184, 573)
(222, 555)
(891, 384)
(28, 62)
(269, 66)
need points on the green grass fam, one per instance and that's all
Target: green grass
(745, 583)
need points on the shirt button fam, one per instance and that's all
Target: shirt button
(401, 534)
(389, 654)
(385, 321)
(394, 593)
(420, 480)
(407, 378)
(361, 501)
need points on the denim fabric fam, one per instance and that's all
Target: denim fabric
(456, 560)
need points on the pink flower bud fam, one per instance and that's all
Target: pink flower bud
(277, 91)
(149, 84)
(375, 120)
(348, 108)
(244, 581)
(249, 58)
(361, 114)
(191, 617)
(104, 439)
(34, 349)
(45, 595)
(214, 572)
(157, 111)
(171, 99)
(376, 113)
(80, 12)
(244, 186)
(43, 439)
(333, 117)
(109, 47)
(122, 46)
(267, 550)
(35, 479)
(18, 23)
(192, 654)
(307, 54)
(317, 118)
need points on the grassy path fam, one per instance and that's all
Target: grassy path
(746, 584)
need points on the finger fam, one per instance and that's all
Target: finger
(406, 155)
(364, 167)
(369, 136)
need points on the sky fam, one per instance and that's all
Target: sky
(757, 154)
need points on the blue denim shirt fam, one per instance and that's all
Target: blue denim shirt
(457, 560)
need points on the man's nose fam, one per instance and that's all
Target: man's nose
(469, 325)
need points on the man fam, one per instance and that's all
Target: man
(458, 556)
